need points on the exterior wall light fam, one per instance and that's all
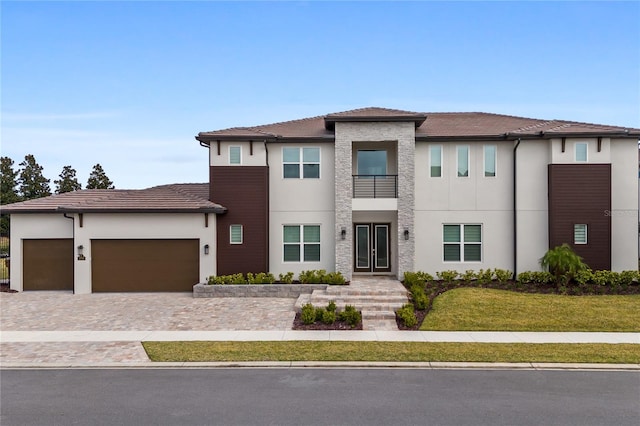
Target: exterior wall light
(406, 234)
(80, 252)
(343, 233)
(206, 249)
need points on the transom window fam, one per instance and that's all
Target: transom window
(301, 243)
(435, 160)
(581, 152)
(580, 233)
(463, 160)
(462, 243)
(489, 160)
(235, 234)
(235, 155)
(301, 163)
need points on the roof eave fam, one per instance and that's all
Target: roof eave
(73, 210)
(330, 121)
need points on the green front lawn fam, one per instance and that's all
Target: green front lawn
(481, 309)
(390, 351)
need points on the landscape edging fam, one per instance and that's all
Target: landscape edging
(255, 290)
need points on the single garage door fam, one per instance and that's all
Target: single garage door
(144, 265)
(47, 264)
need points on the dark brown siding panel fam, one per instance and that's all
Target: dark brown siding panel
(144, 265)
(47, 264)
(581, 193)
(244, 191)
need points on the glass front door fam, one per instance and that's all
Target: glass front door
(372, 247)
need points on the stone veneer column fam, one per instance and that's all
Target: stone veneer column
(345, 135)
(343, 196)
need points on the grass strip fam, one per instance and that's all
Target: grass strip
(198, 351)
(481, 309)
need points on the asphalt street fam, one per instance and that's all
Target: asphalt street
(289, 396)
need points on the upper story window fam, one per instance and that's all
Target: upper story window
(301, 163)
(435, 160)
(581, 152)
(301, 243)
(463, 160)
(372, 162)
(489, 160)
(235, 155)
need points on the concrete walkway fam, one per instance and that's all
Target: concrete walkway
(63, 330)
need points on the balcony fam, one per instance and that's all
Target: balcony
(375, 186)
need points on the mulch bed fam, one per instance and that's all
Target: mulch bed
(337, 325)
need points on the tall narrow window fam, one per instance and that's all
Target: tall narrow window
(301, 163)
(301, 243)
(235, 234)
(580, 233)
(462, 243)
(235, 155)
(489, 160)
(435, 160)
(581, 152)
(463, 160)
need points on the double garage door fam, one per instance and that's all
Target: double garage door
(116, 265)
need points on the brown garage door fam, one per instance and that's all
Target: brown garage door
(47, 264)
(144, 265)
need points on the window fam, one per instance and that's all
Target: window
(235, 155)
(235, 234)
(580, 233)
(462, 243)
(581, 152)
(301, 163)
(489, 160)
(372, 162)
(435, 160)
(463, 160)
(301, 243)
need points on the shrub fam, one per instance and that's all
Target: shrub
(419, 297)
(308, 314)
(502, 275)
(447, 276)
(412, 278)
(485, 276)
(563, 263)
(319, 313)
(331, 307)
(584, 277)
(407, 315)
(350, 315)
(261, 278)
(286, 278)
(328, 317)
(468, 275)
(525, 277)
(541, 277)
(238, 279)
(333, 278)
(628, 277)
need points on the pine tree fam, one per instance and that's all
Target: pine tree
(68, 181)
(32, 183)
(98, 179)
(8, 192)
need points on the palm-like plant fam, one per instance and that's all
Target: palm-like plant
(563, 263)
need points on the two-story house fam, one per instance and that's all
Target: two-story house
(367, 191)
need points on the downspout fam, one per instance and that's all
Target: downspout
(266, 154)
(73, 256)
(515, 206)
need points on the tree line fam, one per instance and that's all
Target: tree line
(28, 182)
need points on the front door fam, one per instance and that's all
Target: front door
(372, 247)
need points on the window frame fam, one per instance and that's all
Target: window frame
(231, 234)
(240, 152)
(468, 148)
(586, 233)
(431, 158)
(495, 160)
(586, 152)
(301, 243)
(462, 243)
(301, 163)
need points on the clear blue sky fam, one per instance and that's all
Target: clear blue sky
(129, 84)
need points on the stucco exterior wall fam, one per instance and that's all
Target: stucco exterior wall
(624, 205)
(33, 226)
(249, 157)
